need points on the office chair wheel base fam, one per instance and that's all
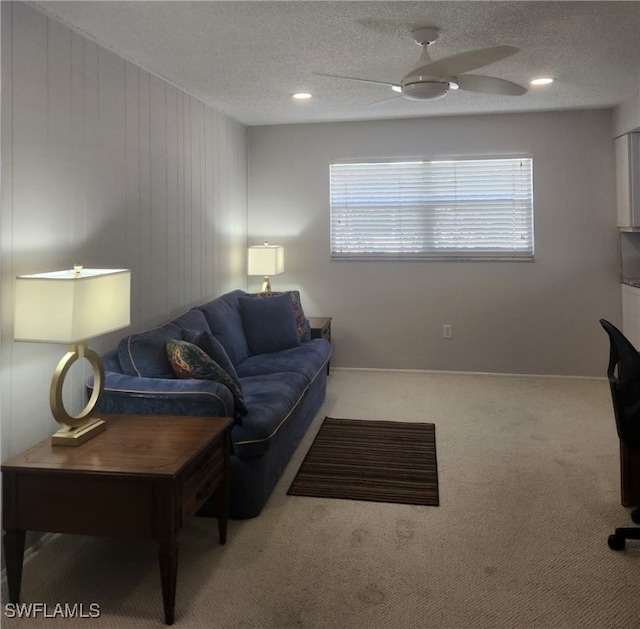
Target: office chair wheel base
(635, 516)
(615, 542)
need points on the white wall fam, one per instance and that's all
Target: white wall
(109, 166)
(626, 116)
(510, 317)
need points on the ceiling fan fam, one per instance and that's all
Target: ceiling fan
(434, 79)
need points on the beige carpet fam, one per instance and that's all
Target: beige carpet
(529, 491)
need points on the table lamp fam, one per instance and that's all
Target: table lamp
(70, 307)
(265, 260)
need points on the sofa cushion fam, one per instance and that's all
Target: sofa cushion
(306, 359)
(270, 401)
(302, 323)
(213, 347)
(188, 361)
(144, 354)
(223, 316)
(269, 324)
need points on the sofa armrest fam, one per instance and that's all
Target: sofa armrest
(163, 396)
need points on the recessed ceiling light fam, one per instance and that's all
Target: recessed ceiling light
(302, 96)
(543, 80)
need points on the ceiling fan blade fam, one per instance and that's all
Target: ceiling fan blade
(381, 102)
(353, 78)
(463, 62)
(489, 85)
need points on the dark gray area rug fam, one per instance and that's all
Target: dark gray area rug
(380, 461)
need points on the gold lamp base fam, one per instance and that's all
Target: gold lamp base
(74, 436)
(80, 428)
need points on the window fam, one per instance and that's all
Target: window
(440, 209)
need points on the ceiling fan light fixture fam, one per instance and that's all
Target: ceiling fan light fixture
(425, 90)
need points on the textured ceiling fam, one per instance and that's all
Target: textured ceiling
(247, 58)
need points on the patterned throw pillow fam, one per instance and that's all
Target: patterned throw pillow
(190, 362)
(213, 348)
(302, 323)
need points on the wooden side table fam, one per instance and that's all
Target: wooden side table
(321, 329)
(142, 477)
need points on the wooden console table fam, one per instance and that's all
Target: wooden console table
(142, 477)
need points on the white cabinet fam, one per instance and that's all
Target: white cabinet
(631, 313)
(627, 148)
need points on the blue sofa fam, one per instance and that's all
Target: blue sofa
(279, 371)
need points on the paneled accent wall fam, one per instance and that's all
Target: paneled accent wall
(107, 165)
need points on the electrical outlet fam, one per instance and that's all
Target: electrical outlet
(447, 331)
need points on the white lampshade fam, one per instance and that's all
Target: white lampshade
(72, 305)
(266, 260)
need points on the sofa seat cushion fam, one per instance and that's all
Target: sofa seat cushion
(269, 399)
(305, 359)
(144, 354)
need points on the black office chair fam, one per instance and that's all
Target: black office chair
(624, 379)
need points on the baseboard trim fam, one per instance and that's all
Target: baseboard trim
(469, 373)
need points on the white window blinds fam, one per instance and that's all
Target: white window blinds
(462, 208)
